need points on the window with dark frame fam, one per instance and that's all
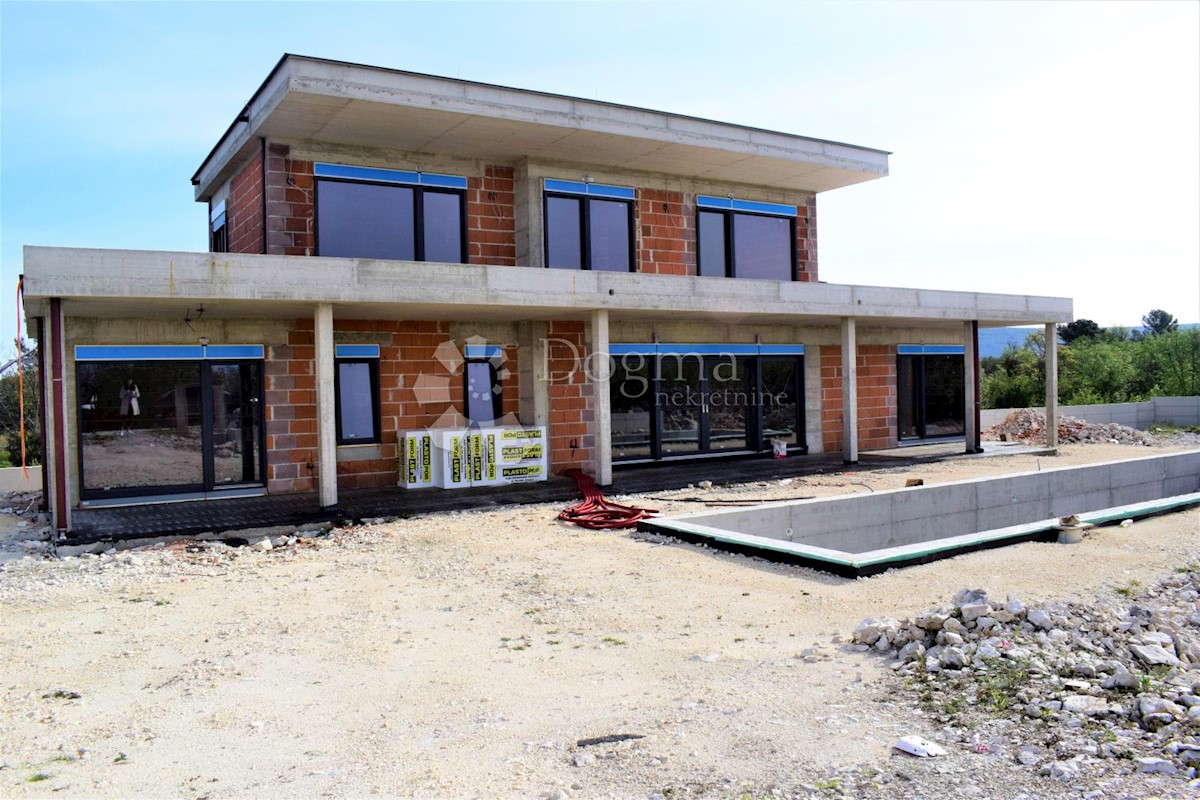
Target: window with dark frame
(482, 391)
(588, 226)
(390, 214)
(745, 239)
(356, 389)
(218, 240)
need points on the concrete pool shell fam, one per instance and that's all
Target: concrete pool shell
(860, 535)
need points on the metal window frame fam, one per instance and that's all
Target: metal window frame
(494, 380)
(372, 363)
(585, 193)
(730, 248)
(918, 354)
(418, 220)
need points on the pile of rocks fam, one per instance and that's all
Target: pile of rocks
(1029, 425)
(1112, 686)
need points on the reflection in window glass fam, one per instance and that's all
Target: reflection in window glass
(442, 227)
(483, 396)
(762, 247)
(908, 400)
(712, 245)
(355, 402)
(945, 396)
(780, 400)
(364, 220)
(608, 235)
(563, 234)
(631, 404)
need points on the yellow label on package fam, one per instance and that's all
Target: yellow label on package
(476, 457)
(491, 456)
(522, 433)
(411, 466)
(427, 459)
(456, 459)
(521, 452)
(525, 471)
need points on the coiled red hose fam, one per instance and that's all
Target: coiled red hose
(596, 513)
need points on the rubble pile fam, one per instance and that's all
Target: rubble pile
(1072, 690)
(1029, 425)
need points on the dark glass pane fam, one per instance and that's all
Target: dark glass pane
(443, 227)
(762, 247)
(235, 433)
(483, 393)
(564, 247)
(609, 235)
(139, 435)
(908, 403)
(631, 404)
(356, 401)
(780, 399)
(729, 402)
(944, 396)
(712, 245)
(363, 220)
(679, 403)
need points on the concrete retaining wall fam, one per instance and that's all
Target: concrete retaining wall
(899, 517)
(13, 480)
(1179, 411)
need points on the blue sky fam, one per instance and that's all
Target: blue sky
(1040, 148)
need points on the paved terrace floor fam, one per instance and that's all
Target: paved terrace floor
(234, 514)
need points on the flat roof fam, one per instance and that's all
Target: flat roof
(155, 284)
(305, 98)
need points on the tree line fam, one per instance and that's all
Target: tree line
(1098, 365)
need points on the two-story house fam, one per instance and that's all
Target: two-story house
(394, 252)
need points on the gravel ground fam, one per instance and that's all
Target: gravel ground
(466, 655)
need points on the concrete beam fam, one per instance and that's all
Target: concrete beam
(1051, 384)
(600, 370)
(849, 391)
(248, 286)
(326, 407)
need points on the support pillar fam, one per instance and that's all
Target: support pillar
(849, 391)
(1051, 384)
(326, 420)
(533, 380)
(55, 401)
(600, 370)
(971, 386)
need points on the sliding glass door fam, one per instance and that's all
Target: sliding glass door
(168, 427)
(930, 395)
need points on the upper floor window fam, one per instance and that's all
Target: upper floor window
(218, 240)
(390, 214)
(588, 226)
(746, 239)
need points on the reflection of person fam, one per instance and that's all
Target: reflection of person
(129, 405)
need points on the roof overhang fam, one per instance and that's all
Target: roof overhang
(151, 284)
(350, 104)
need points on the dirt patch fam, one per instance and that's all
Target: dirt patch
(467, 654)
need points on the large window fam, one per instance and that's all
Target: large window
(390, 214)
(746, 239)
(356, 376)
(589, 226)
(930, 391)
(705, 399)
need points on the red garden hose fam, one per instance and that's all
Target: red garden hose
(596, 513)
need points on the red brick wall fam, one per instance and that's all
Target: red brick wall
(491, 234)
(244, 210)
(289, 204)
(416, 391)
(571, 413)
(666, 232)
(806, 241)
(876, 397)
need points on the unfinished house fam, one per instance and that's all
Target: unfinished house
(434, 284)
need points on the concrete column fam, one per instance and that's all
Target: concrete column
(534, 387)
(54, 425)
(970, 386)
(814, 431)
(326, 409)
(849, 391)
(1051, 384)
(600, 369)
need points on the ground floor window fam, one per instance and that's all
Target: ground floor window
(356, 388)
(671, 401)
(931, 398)
(184, 422)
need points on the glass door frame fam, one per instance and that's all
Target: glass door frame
(207, 487)
(917, 354)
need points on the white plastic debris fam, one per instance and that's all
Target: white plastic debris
(1125, 523)
(919, 746)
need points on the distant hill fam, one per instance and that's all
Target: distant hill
(992, 341)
